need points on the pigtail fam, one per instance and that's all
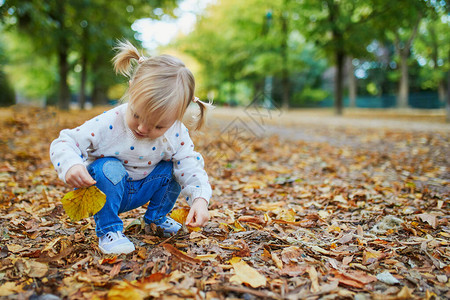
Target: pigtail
(122, 60)
(201, 117)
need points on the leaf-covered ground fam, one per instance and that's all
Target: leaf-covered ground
(321, 210)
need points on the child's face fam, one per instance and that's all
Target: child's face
(148, 130)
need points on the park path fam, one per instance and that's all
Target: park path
(358, 128)
(417, 138)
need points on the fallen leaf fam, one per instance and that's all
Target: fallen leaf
(10, 288)
(180, 215)
(180, 255)
(287, 215)
(115, 270)
(14, 248)
(251, 219)
(277, 260)
(294, 270)
(405, 294)
(387, 277)
(248, 275)
(108, 260)
(315, 287)
(124, 290)
(234, 260)
(37, 269)
(371, 256)
(429, 218)
(206, 257)
(83, 202)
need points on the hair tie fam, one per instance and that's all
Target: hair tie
(141, 59)
(195, 99)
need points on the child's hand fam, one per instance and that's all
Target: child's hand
(198, 214)
(79, 177)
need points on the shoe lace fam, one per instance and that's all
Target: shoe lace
(110, 236)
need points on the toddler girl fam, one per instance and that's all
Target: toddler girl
(139, 152)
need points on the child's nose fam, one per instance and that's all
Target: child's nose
(142, 128)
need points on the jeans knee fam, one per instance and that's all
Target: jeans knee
(175, 187)
(109, 167)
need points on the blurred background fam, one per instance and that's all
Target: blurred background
(297, 53)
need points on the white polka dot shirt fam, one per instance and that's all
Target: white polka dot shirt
(108, 135)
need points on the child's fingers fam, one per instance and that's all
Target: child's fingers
(190, 217)
(200, 220)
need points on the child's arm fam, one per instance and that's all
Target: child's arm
(71, 149)
(190, 174)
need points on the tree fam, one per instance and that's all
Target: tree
(340, 29)
(245, 42)
(431, 48)
(404, 20)
(55, 28)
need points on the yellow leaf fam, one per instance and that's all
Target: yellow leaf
(334, 228)
(370, 257)
(206, 257)
(124, 290)
(405, 293)
(234, 259)
(237, 226)
(84, 202)
(180, 215)
(248, 275)
(287, 215)
(10, 288)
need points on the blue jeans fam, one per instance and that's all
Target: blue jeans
(123, 194)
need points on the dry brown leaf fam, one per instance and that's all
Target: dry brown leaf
(277, 260)
(180, 255)
(315, 287)
(248, 275)
(429, 218)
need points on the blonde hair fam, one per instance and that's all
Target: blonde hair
(160, 84)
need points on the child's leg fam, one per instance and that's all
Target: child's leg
(111, 178)
(161, 189)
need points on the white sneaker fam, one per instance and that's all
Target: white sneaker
(115, 243)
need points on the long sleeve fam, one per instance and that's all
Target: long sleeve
(73, 145)
(189, 168)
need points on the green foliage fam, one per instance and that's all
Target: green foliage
(31, 75)
(309, 97)
(238, 44)
(75, 35)
(432, 48)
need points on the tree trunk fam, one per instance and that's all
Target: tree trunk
(63, 64)
(83, 75)
(441, 92)
(352, 87)
(99, 97)
(403, 90)
(339, 82)
(404, 52)
(284, 57)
